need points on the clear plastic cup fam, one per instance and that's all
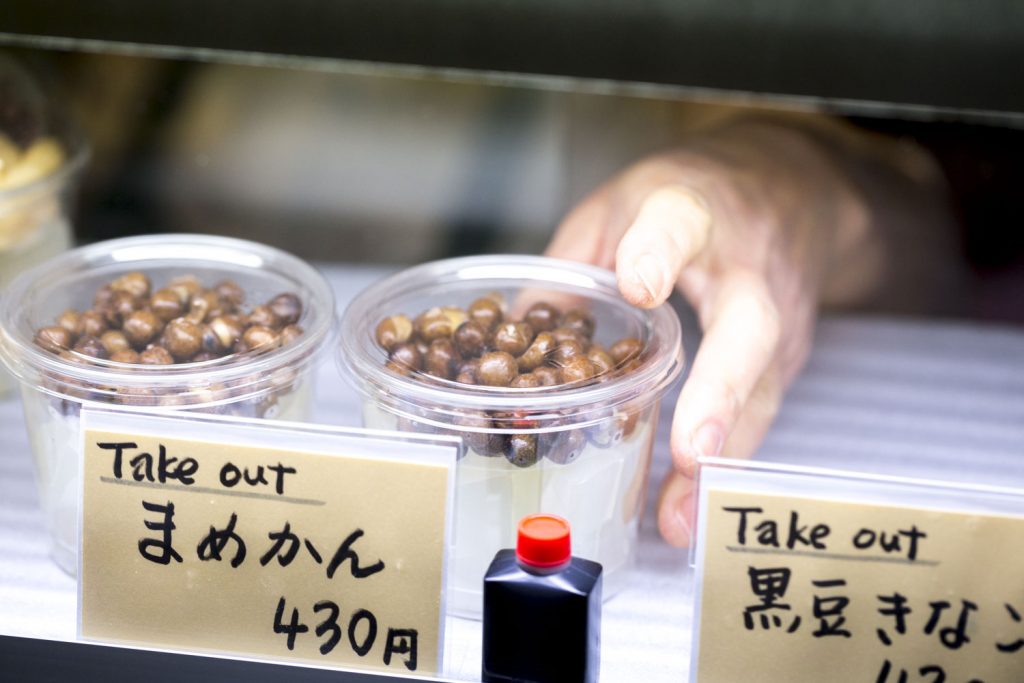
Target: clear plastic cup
(35, 221)
(272, 385)
(598, 484)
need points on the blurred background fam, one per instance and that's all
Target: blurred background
(295, 129)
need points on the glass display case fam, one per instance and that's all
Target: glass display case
(366, 138)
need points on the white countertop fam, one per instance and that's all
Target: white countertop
(902, 397)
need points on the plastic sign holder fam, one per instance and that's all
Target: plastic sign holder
(815, 575)
(267, 540)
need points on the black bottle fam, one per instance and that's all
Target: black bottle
(542, 609)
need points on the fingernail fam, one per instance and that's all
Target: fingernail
(647, 270)
(708, 440)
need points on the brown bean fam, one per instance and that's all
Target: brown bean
(135, 284)
(392, 331)
(487, 444)
(525, 381)
(565, 352)
(547, 376)
(229, 330)
(210, 343)
(264, 316)
(562, 334)
(513, 338)
(579, 321)
(440, 359)
(487, 312)
(601, 359)
(166, 304)
(230, 292)
(187, 286)
(456, 316)
(542, 317)
(287, 307)
(121, 305)
(407, 356)
(156, 355)
(92, 324)
(54, 338)
(290, 334)
(183, 338)
(537, 354)
(397, 368)
(142, 327)
(433, 324)
(521, 449)
(577, 369)
(471, 338)
(496, 369)
(129, 356)
(90, 346)
(625, 349)
(114, 341)
(69, 320)
(103, 296)
(259, 337)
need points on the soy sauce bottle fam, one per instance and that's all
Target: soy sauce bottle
(542, 609)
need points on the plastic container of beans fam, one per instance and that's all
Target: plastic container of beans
(60, 373)
(548, 433)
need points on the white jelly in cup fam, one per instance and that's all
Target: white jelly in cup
(598, 484)
(272, 385)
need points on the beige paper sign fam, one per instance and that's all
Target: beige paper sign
(800, 589)
(263, 550)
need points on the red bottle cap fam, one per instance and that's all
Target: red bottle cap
(543, 541)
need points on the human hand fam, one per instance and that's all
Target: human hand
(742, 223)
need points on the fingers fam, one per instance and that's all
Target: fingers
(583, 234)
(676, 509)
(670, 229)
(740, 342)
(677, 501)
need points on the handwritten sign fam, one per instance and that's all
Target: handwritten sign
(797, 588)
(275, 542)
